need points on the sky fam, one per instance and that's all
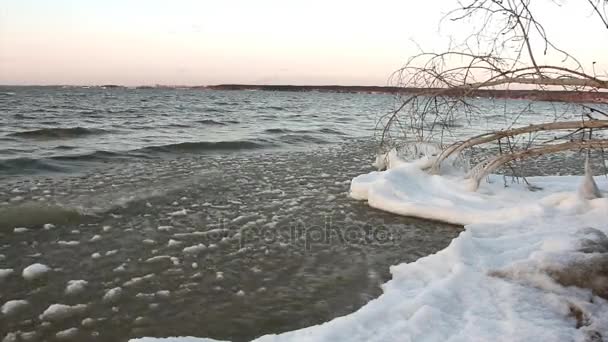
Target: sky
(201, 42)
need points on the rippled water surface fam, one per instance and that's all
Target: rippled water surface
(186, 212)
(162, 212)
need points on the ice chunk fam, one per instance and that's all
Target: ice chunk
(173, 243)
(58, 312)
(67, 334)
(588, 188)
(112, 295)
(35, 271)
(13, 306)
(5, 272)
(75, 287)
(196, 249)
(182, 212)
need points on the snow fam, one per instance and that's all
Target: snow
(13, 306)
(58, 312)
(525, 264)
(35, 271)
(75, 287)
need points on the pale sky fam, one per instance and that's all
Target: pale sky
(198, 42)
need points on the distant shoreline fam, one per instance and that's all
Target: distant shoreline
(535, 95)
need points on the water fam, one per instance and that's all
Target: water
(217, 214)
(45, 129)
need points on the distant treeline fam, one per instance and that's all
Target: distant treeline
(537, 95)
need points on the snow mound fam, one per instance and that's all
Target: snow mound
(529, 266)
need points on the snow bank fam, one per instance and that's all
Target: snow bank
(527, 267)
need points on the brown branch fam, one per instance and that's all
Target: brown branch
(492, 136)
(484, 169)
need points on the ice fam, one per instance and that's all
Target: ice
(27, 336)
(137, 280)
(5, 272)
(529, 265)
(35, 271)
(175, 339)
(68, 243)
(158, 258)
(11, 337)
(19, 230)
(173, 243)
(75, 287)
(13, 306)
(58, 312)
(112, 295)
(182, 212)
(48, 226)
(196, 249)
(88, 322)
(67, 334)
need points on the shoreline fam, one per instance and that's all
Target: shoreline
(513, 94)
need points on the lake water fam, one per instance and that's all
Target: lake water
(188, 212)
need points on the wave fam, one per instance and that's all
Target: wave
(217, 123)
(97, 155)
(331, 131)
(58, 133)
(209, 146)
(289, 131)
(37, 214)
(283, 131)
(302, 138)
(17, 166)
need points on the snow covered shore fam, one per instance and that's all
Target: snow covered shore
(530, 265)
